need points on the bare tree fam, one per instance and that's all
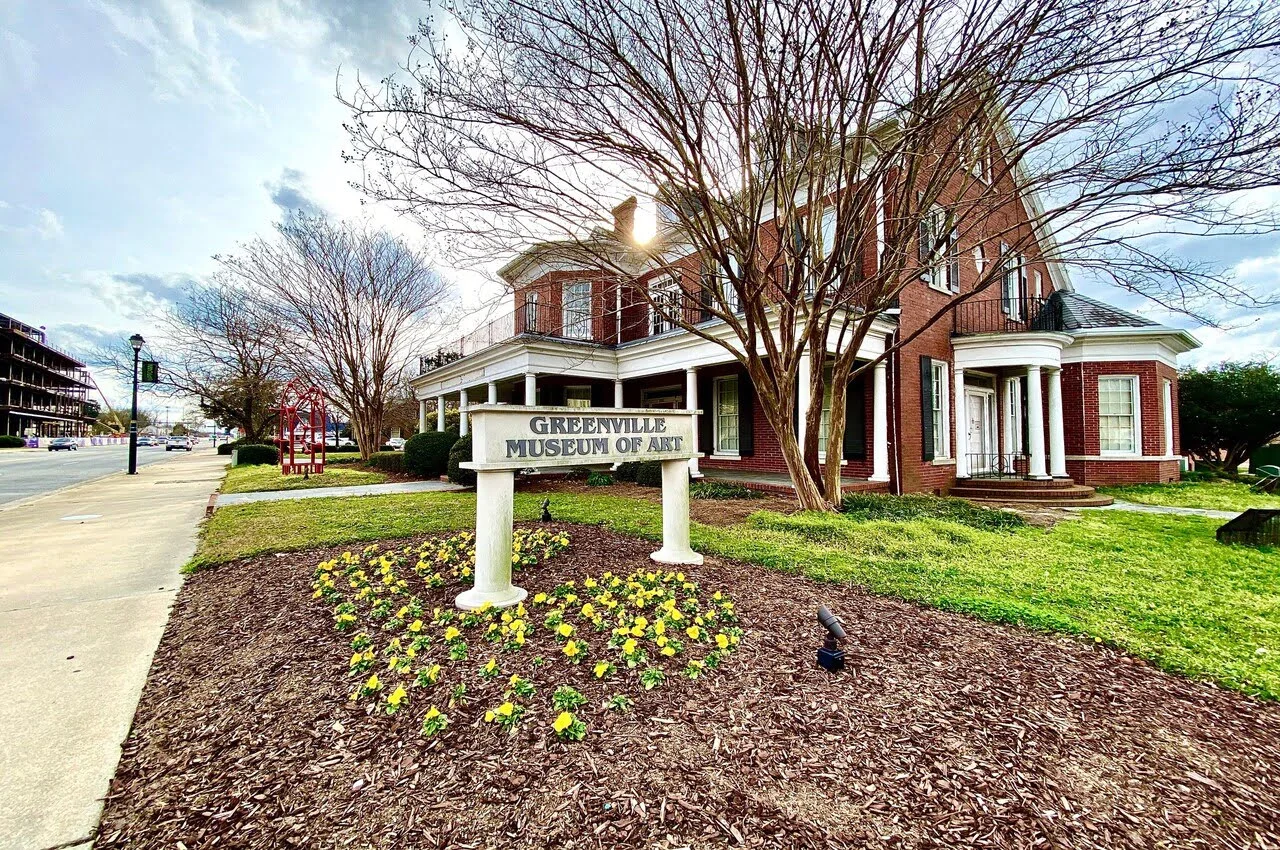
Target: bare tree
(822, 156)
(216, 346)
(350, 303)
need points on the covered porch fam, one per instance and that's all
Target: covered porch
(1007, 393)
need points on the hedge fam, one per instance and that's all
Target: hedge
(10, 442)
(426, 455)
(387, 461)
(649, 473)
(461, 453)
(249, 454)
(626, 471)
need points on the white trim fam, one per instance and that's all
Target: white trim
(940, 390)
(1125, 458)
(1166, 403)
(1136, 383)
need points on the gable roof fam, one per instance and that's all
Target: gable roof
(1080, 312)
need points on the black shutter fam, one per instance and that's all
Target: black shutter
(707, 403)
(855, 420)
(746, 415)
(552, 396)
(601, 394)
(705, 295)
(926, 406)
(953, 260)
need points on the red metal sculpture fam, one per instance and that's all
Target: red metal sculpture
(302, 429)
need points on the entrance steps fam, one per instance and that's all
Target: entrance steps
(1057, 492)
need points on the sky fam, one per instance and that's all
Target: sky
(141, 137)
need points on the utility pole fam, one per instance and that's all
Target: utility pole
(136, 341)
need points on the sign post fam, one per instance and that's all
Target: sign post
(506, 438)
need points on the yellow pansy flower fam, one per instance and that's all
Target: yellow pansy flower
(397, 696)
(451, 633)
(629, 647)
(563, 722)
(693, 632)
(668, 651)
(722, 641)
(588, 610)
(415, 626)
(571, 649)
(601, 668)
(660, 628)
(505, 709)
(564, 630)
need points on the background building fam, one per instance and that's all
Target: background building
(43, 391)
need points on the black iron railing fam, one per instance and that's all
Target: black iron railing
(1004, 315)
(998, 465)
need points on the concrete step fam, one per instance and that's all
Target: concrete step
(1081, 502)
(1054, 494)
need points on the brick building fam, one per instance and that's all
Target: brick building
(43, 391)
(1033, 391)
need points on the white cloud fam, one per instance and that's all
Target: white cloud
(31, 222)
(48, 225)
(17, 61)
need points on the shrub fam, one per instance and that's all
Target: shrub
(916, 506)
(626, 471)
(461, 453)
(250, 454)
(387, 461)
(599, 479)
(386, 447)
(721, 490)
(427, 455)
(10, 442)
(227, 447)
(649, 473)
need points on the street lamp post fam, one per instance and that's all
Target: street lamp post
(136, 341)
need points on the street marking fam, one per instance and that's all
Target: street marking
(80, 517)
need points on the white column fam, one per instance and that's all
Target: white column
(1057, 442)
(617, 394)
(961, 418)
(530, 389)
(1035, 424)
(880, 423)
(493, 392)
(675, 517)
(422, 415)
(464, 427)
(439, 413)
(802, 399)
(495, 492)
(1168, 418)
(1005, 400)
(691, 402)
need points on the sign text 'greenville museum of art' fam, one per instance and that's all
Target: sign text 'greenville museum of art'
(620, 435)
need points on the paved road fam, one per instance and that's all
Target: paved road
(87, 576)
(30, 472)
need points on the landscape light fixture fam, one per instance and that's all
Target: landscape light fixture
(831, 656)
(136, 341)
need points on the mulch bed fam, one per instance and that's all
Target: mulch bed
(944, 731)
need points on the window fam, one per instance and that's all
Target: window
(828, 231)
(726, 421)
(577, 309)
(665, 295)
(979, 259)
(577, 396)
(939, 252)
(1118, 415)
(714, 277)
(531, 314)
(941, 425)
(1011, 283)
(1039, 290)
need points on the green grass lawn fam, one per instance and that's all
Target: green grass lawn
(1157, 586)
(254, 479)
(1216, 495)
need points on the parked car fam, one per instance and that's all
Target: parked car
(58, 444)
(148, 441)
(396, 443)
(180, 443)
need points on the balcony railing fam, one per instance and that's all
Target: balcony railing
(1002, 316)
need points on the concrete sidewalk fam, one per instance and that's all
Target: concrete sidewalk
(1119, 505)
(225, 499)
(87, 576)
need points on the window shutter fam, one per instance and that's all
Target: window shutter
(707, 403)
(923, 239)
(953, 260)
(926, 406)
(705, 296)
(855, 420)
(1005, 294)
(552, 396)
(746, 415)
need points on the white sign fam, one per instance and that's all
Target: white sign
(509, 437)
(506, 438)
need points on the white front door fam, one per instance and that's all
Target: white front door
(982, 440)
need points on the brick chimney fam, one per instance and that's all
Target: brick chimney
(624, 219)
